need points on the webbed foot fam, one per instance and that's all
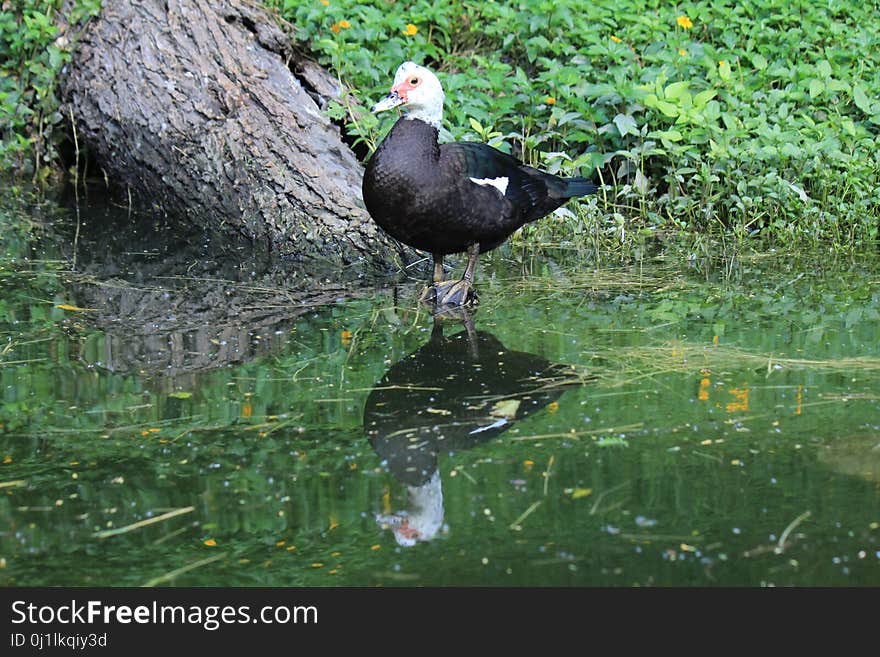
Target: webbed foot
(450, 294)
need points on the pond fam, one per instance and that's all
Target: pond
(182, 415)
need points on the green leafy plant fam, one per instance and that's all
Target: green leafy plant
(33, 50)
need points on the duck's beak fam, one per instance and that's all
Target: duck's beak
(390, 101)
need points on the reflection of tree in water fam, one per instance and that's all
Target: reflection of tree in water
(453, 393)
(171, 302)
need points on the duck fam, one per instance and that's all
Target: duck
(454, 197)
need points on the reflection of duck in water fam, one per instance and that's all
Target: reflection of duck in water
(451, 394)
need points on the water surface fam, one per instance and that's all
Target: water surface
(678, 421)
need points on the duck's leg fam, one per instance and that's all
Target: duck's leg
(432, 292)
(460, 293)
(438, 268)
(445, 293)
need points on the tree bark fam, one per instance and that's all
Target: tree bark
(193, 105)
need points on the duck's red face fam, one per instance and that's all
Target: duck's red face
(402, 89)
(399, 93)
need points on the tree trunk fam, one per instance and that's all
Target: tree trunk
(193, 105)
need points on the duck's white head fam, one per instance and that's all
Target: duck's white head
(419, 90)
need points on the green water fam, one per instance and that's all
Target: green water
(679, 421)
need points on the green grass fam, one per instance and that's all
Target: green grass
(735, 119)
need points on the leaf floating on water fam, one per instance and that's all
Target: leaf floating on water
(180, 395)
(74, 309)
(506, 408)
(438, 411)
(578, 493)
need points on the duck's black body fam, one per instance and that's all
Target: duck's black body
(424, 194)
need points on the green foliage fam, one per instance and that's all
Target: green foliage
(758, 116)
(33, 50)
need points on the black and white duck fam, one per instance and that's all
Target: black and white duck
(455, 197)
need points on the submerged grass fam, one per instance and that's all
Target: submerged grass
(620, 366)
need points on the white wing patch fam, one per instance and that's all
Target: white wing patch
(498, 183)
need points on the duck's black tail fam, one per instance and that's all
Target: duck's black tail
(577, 187)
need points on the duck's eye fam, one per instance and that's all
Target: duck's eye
(414, 81)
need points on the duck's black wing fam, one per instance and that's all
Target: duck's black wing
(531, 192)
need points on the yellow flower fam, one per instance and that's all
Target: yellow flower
(550, 100)
(616, 39)
(344, 24)
(722, 63)
(326, 3)
(335, 28)
(684, 22)
(210, 542)
(410, 30)
(682, 52)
